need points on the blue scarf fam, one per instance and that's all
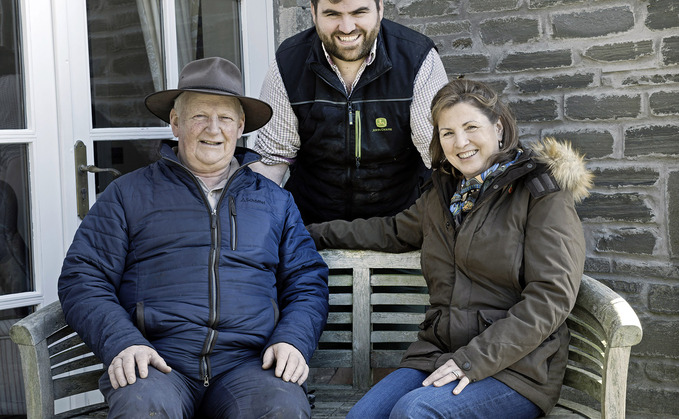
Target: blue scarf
(469, 190)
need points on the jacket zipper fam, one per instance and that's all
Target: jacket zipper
(214, 300)
(234, 231)
(211, 339)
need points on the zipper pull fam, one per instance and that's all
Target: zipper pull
(213, 221)
(232, 206)
(351, 114)
(206, 381)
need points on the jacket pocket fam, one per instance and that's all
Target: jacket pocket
(536, 364)
(486, 318)
(429, 329)
(276, 312)
(139, 316)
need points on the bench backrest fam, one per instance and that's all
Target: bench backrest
(377, 302)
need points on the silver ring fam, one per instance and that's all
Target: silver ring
(456, 374)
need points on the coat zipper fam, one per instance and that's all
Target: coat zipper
(211, 339)
(234, 231)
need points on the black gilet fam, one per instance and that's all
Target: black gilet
(357, 158)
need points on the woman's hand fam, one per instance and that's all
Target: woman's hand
(447, 373)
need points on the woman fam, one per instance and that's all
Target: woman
(502, 253)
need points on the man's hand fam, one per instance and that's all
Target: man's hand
(447, 373)
(122, 372)
(290, 364)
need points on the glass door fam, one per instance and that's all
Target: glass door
(73, 76)
(31, 236)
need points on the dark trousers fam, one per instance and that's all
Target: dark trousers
(247, 391)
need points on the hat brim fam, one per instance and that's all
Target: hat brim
(257, 112)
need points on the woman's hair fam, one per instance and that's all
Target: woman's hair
(485, 100)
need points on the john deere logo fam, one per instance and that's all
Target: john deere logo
(381, 122)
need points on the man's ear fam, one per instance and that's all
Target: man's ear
(313, 12)
(241, 126)
(174, 122)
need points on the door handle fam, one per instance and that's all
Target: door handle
(81, 180)
(94, 169)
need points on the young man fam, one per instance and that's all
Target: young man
(351, 101)
(193, 279)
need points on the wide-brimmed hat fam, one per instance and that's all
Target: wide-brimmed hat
(215, 76)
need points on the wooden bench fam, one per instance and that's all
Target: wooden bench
(377, 301)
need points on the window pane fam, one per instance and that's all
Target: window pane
(15, 239)
(12, 115)
(208, 28)
(124, 156)
(126, 61)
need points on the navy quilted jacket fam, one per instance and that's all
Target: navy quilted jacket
(152, 264)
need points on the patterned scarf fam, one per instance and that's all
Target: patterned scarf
(469, 190)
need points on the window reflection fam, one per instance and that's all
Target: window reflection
(126, 51)
(126, 61)
(208, 28)
(12, 115)
(125, 156)
(15, 257)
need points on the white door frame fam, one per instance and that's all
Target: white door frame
(42, 139)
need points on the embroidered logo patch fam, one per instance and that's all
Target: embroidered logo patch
(381, 124)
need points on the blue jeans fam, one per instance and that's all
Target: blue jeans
(401, 395)
(247, 391)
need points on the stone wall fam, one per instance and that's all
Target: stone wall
(603, 74)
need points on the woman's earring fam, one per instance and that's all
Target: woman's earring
(501, 143)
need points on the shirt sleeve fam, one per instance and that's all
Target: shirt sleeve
(278, 141)
(431, 77)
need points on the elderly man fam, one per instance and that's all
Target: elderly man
(351, 101)
(194, 279)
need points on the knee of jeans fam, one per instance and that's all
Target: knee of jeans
(408, 408)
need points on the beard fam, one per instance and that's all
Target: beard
(350, 54)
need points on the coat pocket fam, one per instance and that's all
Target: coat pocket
(486, 318)
(429, 329)
(536, 364)
(276, 312)
(140, 319)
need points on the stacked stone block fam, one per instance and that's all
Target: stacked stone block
(604, 75)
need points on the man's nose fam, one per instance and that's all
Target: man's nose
(213, 124)
(347, 24)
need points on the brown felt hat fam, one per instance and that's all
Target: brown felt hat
(215, 76)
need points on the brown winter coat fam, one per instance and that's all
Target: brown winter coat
(502, 283)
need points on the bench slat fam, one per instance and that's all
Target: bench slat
(381, 280)
(76, 383)
(399, 299)
(397, 318)
(335, 336)
(331, 358)
(390, 336)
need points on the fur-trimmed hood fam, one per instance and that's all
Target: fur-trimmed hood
(565, 164)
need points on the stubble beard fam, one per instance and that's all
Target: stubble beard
(350, 55)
